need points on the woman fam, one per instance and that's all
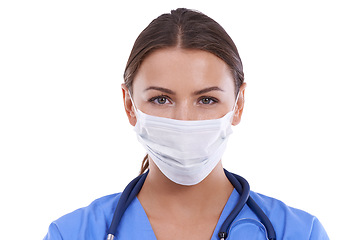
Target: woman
(184, 89)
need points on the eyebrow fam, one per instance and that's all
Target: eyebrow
(206, 90)
(168, 91)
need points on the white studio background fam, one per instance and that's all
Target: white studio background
(65, 139)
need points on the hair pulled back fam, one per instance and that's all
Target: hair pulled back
(187, 29)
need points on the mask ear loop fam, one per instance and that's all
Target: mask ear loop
(133, 103)
(233, 109)
(236, 100)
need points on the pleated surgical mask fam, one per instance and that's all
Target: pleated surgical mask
(184, 151)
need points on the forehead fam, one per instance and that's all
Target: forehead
(176, 68)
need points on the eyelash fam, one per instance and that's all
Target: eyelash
(153, 99)
(214, 100)
(156, 98)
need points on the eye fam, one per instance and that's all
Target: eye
(160, 100)
(208, 100)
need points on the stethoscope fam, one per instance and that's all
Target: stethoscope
(239, 183)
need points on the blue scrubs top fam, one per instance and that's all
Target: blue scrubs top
(93, 221)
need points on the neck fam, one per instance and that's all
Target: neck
(214, 190)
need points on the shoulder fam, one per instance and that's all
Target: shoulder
(80, 223)
(289, 222)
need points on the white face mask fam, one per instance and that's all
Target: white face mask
(184, 151)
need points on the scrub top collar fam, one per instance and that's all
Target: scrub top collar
(137, 214)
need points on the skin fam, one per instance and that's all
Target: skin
(184, 84)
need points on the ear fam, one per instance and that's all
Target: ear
(239, 107)
(128, 105)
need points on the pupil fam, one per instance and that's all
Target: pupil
(162, 100)
(206, 100)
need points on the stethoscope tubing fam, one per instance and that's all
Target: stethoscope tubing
(243, 188)
(129, 193)
(263, 218)
(239, 183)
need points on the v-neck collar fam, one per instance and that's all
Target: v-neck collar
(143, 221)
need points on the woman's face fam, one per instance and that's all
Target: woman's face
(185, 85)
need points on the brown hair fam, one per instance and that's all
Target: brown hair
(186, 29)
